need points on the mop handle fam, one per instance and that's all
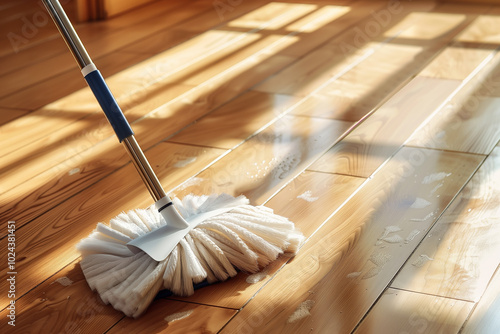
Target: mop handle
(105, 98)
(89, 70)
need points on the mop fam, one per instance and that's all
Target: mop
(173, 245)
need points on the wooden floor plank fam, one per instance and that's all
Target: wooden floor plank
(450, 262)
(7, 115)
(237, 57)
(236, 120)
(62, 304)
(169, 316)
(219, 15)
(358, 91)
(266, 10)
(407, 312)
(36, 194)
(484, 318)
(48, 242)
(277, 43)
(262, 165)
(58, 114)
(341, 162)
(29, 27)
(468, 129)
(33, 53)
(132, 84)
(140, 83)
(483, 30)
(67, 146)
(12, 10)
(97, 47)
(327, 21)
(487, 83)
(37, 96)
(160, 41)
(424, 28)
(32, 74)
(469, 121)
(352, 95)
(93, 31)
(415, 37)
(307, 201)
(39, 306)
(198, 54)
(456, 62)
(372, 143)
(326, 62)
(317, 135)
(345, 266)
(143, 13)
(20, 142)
(198, 80)
(272, 16)
(163, 70)
(90, 32)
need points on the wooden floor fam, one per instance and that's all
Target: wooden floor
(373, 125)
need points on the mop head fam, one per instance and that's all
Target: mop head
(247, 238)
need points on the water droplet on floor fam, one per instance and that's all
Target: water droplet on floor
(74, 171)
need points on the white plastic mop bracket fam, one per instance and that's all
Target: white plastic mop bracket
(159, 243)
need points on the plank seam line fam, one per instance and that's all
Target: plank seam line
(496, 272)
(432, 295)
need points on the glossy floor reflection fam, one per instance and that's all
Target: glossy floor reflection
(370, 124)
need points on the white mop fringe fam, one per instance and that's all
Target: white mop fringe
(247, 238)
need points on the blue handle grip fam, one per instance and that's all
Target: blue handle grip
(108, 104)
